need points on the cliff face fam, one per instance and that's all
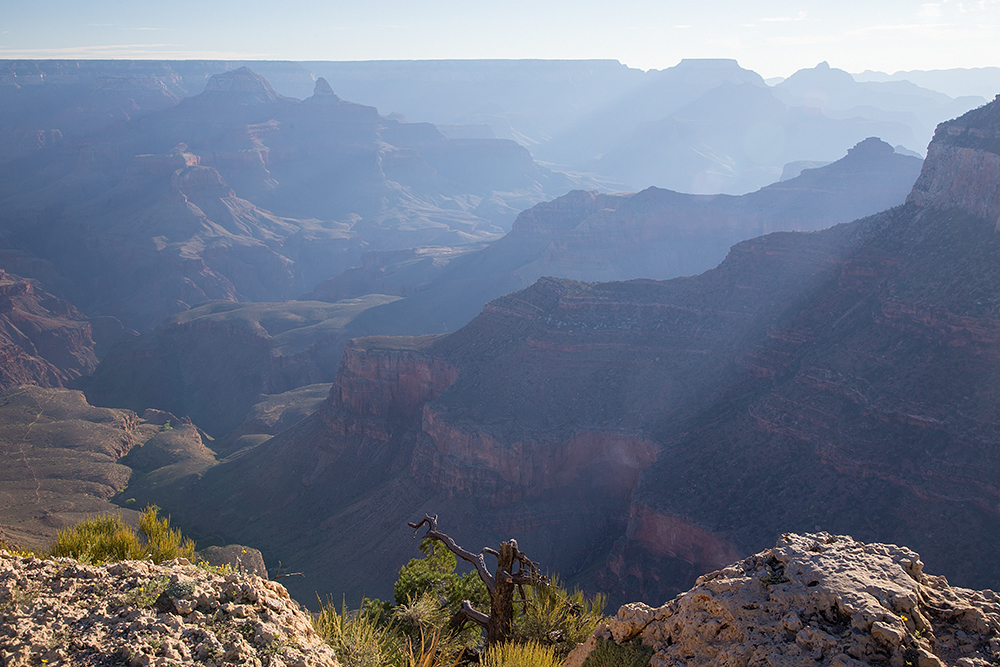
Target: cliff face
(963, 169)
(386, 382)
(650, 234)
(43, 340)
(634, 435)
(214, 361)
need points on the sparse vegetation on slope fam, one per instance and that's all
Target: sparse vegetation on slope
(426, 627)
(628, 654)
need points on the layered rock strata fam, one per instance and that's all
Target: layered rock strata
(43, 339)
(592, 236)
(634, 435)
(963, 166)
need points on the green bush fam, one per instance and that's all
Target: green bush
(107, 538)
(553, 616)
(358, 639)
(609, 654)
(515, 654)
(417, 632)
(162, 541)
(435, 573)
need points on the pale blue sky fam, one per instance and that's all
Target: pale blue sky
(773, 37)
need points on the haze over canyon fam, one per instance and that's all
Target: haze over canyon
(644, 322)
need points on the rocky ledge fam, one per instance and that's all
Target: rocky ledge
(60, 612)
(816, 599)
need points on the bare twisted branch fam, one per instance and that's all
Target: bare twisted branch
(477, 560)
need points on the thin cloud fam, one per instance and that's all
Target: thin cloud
(936, 31)
(802, 16)
(901, 28)
(122, 27)
(143, 51)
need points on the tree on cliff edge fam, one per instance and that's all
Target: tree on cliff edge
(501, 585)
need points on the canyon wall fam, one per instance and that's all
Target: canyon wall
(963, 166)
(43, 340)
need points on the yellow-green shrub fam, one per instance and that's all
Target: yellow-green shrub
(513, 654)
(357, 638)
(554, 616)
(107, 538)
(162, 541)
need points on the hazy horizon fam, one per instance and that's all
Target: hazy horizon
(774, 38)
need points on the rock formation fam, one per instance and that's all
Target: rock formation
(590, 236)
(136, 613)
(635, 435)
(819, 599)
(239, 193)
(62, 459)
(964, 166)
(213, 362)
(43, 340)
(715, 127)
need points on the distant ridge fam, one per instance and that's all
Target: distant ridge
(635, 435)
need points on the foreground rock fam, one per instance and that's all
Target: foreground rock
(818, 599)
(60, 612)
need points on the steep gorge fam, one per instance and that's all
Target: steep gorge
(43, 339)
(843, 379)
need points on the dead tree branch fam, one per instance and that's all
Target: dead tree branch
(501, 586)
(477, 560)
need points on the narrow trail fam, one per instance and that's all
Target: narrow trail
(24, 441)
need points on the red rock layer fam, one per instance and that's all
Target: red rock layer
(43, 340)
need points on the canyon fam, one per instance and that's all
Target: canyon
(236, 193)
(634, 435)
(245, 266)
(591, 236)
(44, 340)
(186, 366)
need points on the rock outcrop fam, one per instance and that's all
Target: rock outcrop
(819, 599)
(963, 166)
(61, 612)
(43, 339)
(62, 459)
(247, 85)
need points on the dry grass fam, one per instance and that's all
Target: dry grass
(511, 654)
